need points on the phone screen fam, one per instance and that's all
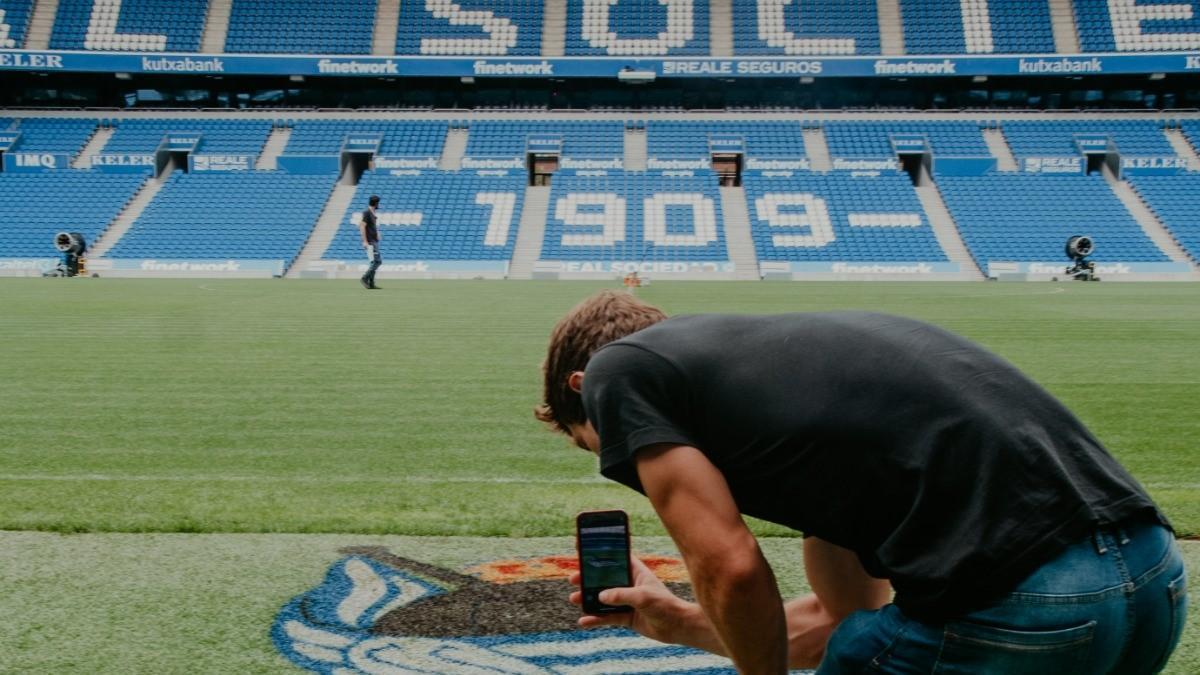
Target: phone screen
(603, 541)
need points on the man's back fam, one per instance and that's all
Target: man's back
(939, 463)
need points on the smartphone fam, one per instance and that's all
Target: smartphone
(602, 540)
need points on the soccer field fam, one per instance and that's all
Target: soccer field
(314, 407)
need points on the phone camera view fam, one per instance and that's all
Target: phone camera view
(605, 556)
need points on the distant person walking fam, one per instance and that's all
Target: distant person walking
(369, 229)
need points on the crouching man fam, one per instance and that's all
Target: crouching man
(910, 458)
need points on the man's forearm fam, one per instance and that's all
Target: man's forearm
(747, 615)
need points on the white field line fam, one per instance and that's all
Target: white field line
(304, 479)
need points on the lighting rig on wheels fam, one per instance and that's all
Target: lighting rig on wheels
(72, 246)
(1078, 249)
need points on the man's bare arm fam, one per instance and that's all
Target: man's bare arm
(731, 578)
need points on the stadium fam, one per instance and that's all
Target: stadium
(221, 454)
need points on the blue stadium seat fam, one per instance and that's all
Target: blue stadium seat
(1053, 138)
(580, 140)
(1010, 27)
(438, 215)
(635, 217)
(638, 28)
(863, 140)
(15, 14)
(35, 207)
(217, 136)
(141, 25)
(248, 215)
(301, 27)
(1144, 26)
(1028, 218)
(402, 139)
(812, 28)
(477, 27)
(54, 135)
(839, 217)
(1176, 202)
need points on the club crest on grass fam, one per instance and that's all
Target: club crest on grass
(376, 612)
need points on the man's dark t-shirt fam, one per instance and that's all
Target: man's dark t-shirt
(942, 466)
(370, 229)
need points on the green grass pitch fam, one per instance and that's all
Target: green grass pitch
(315, 408)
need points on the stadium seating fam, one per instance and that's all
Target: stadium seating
(437, 215)
(35, 207)
(301, 26)
(1057, 137)
(1144, 26)
(401, 139)
(1001, 27)
(839, 217)
(810, 28)
(15, 15)
(637, 28)
(580, 140)
(635, 217)
(690, 140)
(217, 136)
(129, 25)
(1176, 202)
(874, 139)
(54, 135)
(470, 27)
(1028, 218)
(1191, 131)
(248, 215)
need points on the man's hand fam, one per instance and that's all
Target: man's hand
(657, 613)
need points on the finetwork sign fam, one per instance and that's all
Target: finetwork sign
(156, 266)
(1059, 66)
(945, 67)
(845, 268)
(163, 64)
(331, 67)
(485, 68)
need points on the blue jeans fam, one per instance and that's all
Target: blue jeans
(1114, 603)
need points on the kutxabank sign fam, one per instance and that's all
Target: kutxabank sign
(591, 66)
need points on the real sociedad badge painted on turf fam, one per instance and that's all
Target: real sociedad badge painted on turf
(379, 613)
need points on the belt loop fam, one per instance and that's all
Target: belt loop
(1098, 539)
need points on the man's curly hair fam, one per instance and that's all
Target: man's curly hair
(602, 318)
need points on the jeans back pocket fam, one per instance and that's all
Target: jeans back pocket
(1177, 597)
(976, 648)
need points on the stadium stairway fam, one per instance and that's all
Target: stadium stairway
(94, 145)
(720, 21)
(635, 149)
(327, 227)
(387, 24)
(891, 27)
(998, 145)
(944, 227)
(1062, 23)
(216, 26)
(738, 239)
(268, 159)
(1183, 148)
(127, 217)
(554, 28)
(817, 149)
(1150, 224)
(41, 24)
(453, 149)
(531, 231)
